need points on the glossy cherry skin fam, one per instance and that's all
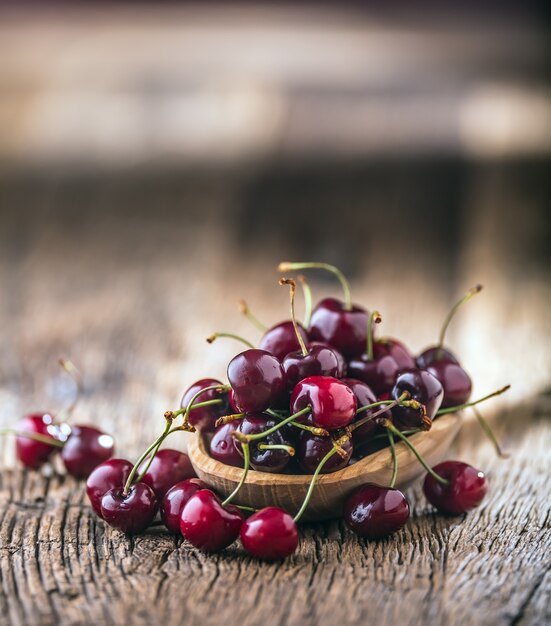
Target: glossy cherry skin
(221, 445)
(257, 380)
(342, 365)
(176, 498)
(342, 329)
(380, 373)
(423, 387)
(396, 349)
(109, 475)
(333, 404)
(270, 534)
(435, 353)
(454, 379)
(320, 361)
(167, 468)
(364, 396)
(131, 513)
(207, 525)
(85, 449)
(274, 461)
(373, 511)
(311, 450)
(282, 339)
(33, 454)
(204, 418)
(466, 490)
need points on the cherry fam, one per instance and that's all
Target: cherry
(167, 468)
(108, 475)
(312, 449)
(263, 456)
(332, 402)
(221, 445)
(373, 511)
(364, 396)
(204, 418)
(396, 349)
(465, 491)
(85, 449)
(455, 381)
(423, 387)
(130, 512)
(257, 380)
(33, 454)
(380, 373)
(281, 339)
(176, 498)
(319, 361)
(430, 355)
(207, 524)
(270, 534)
(342, 366)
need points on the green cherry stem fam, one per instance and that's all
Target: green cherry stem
(459, 407)
(386, 404)
(248, 438)
(226, 419)
(34, 436)
(291, 267)
(315, 430)
(246, 464)
(392, 429)
(212, 338)
(394, 459)
(472, 292)
(490, 434)
(374, 318)
(173, 414)
(244, 310)
(307, 294)
(293, 288)
(277, 446)
(195, 396)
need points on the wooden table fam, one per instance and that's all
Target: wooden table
(130, 296)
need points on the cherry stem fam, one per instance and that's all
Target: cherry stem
(374, 318)
(212, 338)
(34, 436)
(386, 404)
(195, 396)
(394, 459)
(459, 407)
(490, 434)
(246, 464)
(248, 438)
(392, 429)
(293, 288)
(289, 267)
(246, 508)
(308, 495)
(307, 293)
(226, 419)
(277, 446)
(70, 368)
(472, 292)
(173, 414)
(244, 309)
(315, 430)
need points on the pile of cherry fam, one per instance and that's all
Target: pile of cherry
(311, 399)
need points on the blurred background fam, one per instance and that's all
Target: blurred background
(157, 160)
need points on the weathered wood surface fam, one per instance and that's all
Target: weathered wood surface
(130, 295)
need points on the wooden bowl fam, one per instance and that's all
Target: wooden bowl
(288, 490)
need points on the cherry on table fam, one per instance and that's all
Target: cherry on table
(204, 418)
(208, 525)
(281, 339)
(312, 449)
(85, 449)
(221, 445)
(167, 468)
(465, 491)
(108, 475)
(265, 459)
(270, 534)
(132, 512)
(176, 498)
(423, 387)
(373, 511)
(31, 453)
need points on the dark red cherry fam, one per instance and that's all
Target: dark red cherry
(311, 450)
(320, 361)
(342, 366)
(270, 534)
(176, 498)
(231, 399)
(396, 349)
(332, 403)
(424, 388)
(345, 330)
(133, 512)
(109, 475)
(373, 511)
(282, 339)
(379, 373)
(221, 445)
(167, 468)
(204, 418)
(85, 449)
(435, 353)
(455, 381)
(33, 454)
(274, 461)
(257, 380)
(364, 396)
(207, 525)
(466, 490)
